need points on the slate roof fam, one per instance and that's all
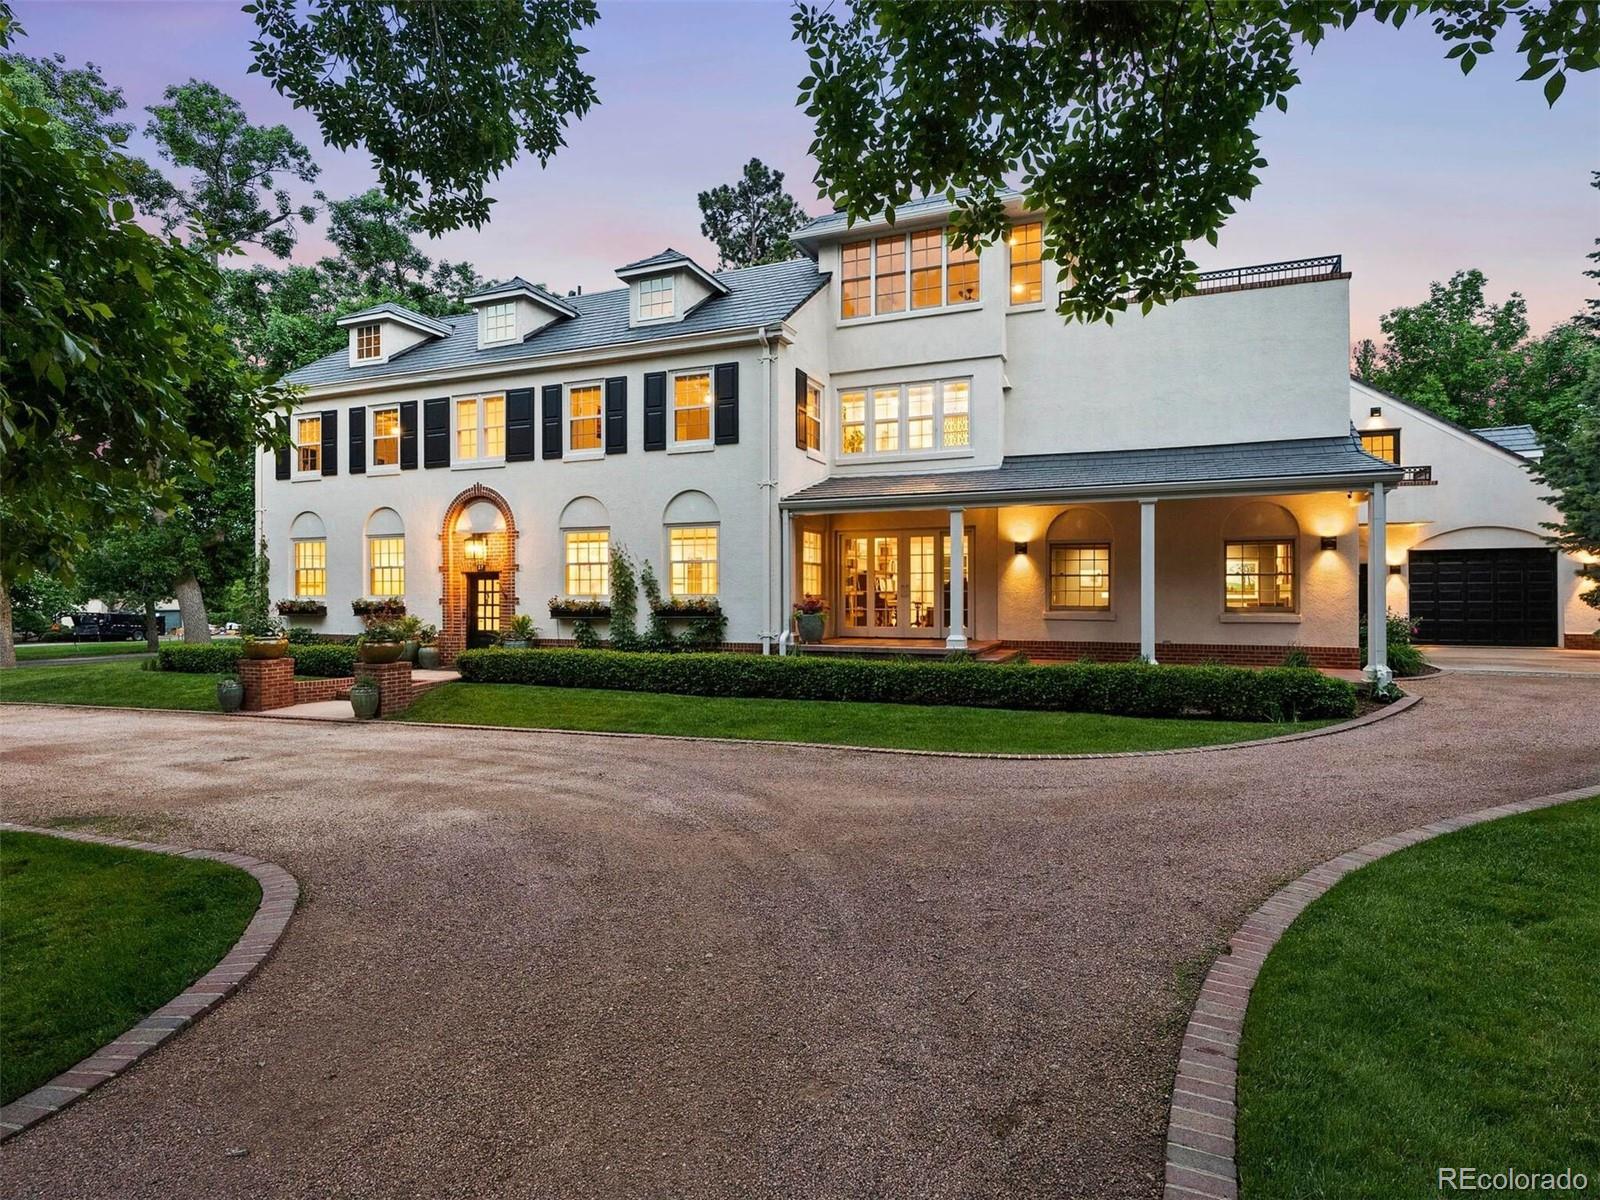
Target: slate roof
(1519, 439)
(927, 206)
(1026, 477)
(400, 313)
(669, 255)
(756, 296)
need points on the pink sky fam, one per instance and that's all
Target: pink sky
(1387, 154)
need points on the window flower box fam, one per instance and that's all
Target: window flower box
(295, 607)
(565, 609)
(689, 608)
(379, 606)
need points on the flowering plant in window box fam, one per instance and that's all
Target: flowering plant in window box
(565, 608)
(688, 606)
(296, 607)
(811, 616)
(379, 606)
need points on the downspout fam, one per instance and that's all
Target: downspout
(769, 484)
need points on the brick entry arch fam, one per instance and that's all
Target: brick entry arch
(502, 557)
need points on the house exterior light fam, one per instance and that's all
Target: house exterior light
(1330, 543)
(476, 549)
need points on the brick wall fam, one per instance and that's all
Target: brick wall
(1332, 657)
(394, 684)
(1582, 641)
(453, 569)
(268, 683)
(306, 691)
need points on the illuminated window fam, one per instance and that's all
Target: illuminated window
(852, 422)
(694, 561)
(308, 445)
(588, 563)
(882, 275)
(1382, 443)
(889, 269)
(1260, 576)
(310, 567)
(656, 298)
(385, 437)
(810, 562)
(583, 418)
(691, 407)
(927, 268)
(961, 275)
(369, 341)
(1080, 577)
(1027, 270)
(919, 416)
(955, 406)
(856, 280)
(386, 560)
(808, 417)
(885, 420)
(499, 321)
(481, 429)
(911, 418)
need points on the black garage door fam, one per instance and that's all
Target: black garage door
(1484, 597)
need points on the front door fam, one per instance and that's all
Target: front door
(483, 608)
(890, 585)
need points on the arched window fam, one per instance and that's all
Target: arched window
(309, 564)
(1260, 559)
(386, 554)
(1080, 561)
(694, 530)
(586, 546)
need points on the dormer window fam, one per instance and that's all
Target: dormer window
(369, 341)
(656, 298)
(499, 322)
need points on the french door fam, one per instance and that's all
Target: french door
(897, 584)
(483, 608)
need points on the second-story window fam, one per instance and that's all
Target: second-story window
(583, 418)
(385, 438)
(902, 271)
(1026, 245)
(656, 299)
(308, 445)
(499, 322)
(855, 280)
(1382, 443)
(808, 417)
(480, 429)
(369, 341)
(906, 418)
(691, 408)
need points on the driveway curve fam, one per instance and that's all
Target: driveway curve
(534, 965)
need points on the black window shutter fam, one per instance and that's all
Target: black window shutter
(726, 390)
(617, 415)
(436, 432)
(800, 384)
(551, 403)
(330, 441)
(358, 440)
(408, 435)
(655, 410)
(519, 425)
(282, 462)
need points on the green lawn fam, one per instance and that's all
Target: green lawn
(35, 651)
(903, 726)
(95, 938)
(1438, 1008)
(124, 684)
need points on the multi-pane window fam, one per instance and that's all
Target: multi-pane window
(810, 562)
(310, 567)
(1260, 576)
(905, 270)
(588, 562)
(656, 298)
(385, 437)
(1382, 443)
(693, 554)
(308, 445)
(583, 418)
(499, 322)
(1026, 244)
(386, 563)
(691, 407)
(914, 417)
(480, 428)
(808, 417)
(1080, 576)
(369, 341)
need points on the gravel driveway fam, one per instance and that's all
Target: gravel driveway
(534, 965)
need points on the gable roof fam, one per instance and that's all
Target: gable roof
(671, 260)
(396, 312)
(518, 286)
(1519, 439)
(1428, 415)
(756, 296)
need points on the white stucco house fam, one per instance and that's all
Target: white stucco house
(863, 424)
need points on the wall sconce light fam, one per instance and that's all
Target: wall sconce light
(1330, 543)
(1019, 547)
(1375, 411)
(476, 549)
(1395, 568)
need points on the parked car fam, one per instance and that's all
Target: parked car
(103, 627)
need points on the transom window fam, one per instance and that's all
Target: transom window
(369, 341)
(1026, 245)
(810, 562)
(1260, 576)
(808, 417)
(691, 407)
(499, 321)
(693, 556)
(308, 445)
(583, 418)
(906, 271)
(588, 562)
(906, 418)
(386, 558)
(1382, 443)
(1080, 576)
(481, 428)
(310, 567)
(385, 438)
(656, 298)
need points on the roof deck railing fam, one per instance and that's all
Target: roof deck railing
(1295, 270)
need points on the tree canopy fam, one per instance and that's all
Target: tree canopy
(750, 221)
(1572, 468)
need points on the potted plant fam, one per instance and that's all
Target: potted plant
(364, 698)
(519, 631)
(427, 652)
(262, 634)
(382, 642)
(410, 628)
(387, 607)
(811, 616)
(230, 693)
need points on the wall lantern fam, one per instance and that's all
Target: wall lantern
(1019, 547)
(1330, 543)
(1375, 411)
(1395, 568)
(476, 548)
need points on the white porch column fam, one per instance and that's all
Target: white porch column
(785, 581)
(1147, 580)
(956, 639)
(1377, 668)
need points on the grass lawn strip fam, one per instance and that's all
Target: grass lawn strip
(95, 937)
(120, 684)
(895, 726)
(35, 651)
(1439, 1008)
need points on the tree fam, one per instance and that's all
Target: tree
(373, 236)
(1130, 126)
(1589, 318)
(131, 567)
(1572, 469)
(444, 96)
(751, 221)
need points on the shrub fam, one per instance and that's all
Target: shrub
(1125, 689)
(324, 661)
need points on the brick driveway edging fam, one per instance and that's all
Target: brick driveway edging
(1201, 1152)
(280, 892)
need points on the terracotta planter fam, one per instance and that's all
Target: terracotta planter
(230, 695)
(428, 658)
(812, 626)
(364, 698)
(252, 647)
(379, 652)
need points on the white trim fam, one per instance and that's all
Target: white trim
(372, 440)
(480, 459)
(568, 454)
(902, 422)
(693, 444)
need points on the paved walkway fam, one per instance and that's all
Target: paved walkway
(1515, 660)
(532, 965)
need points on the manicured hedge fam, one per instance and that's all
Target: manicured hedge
(329, 661)
(1124, 689)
